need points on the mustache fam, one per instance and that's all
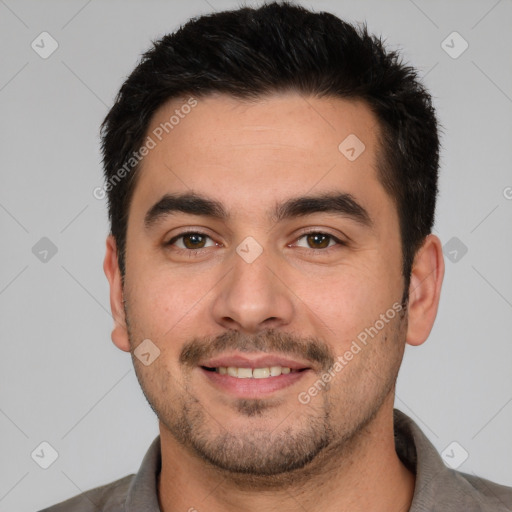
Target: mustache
(308, 348)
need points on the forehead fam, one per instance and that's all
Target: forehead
(244, 153)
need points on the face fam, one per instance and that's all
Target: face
(263, 261)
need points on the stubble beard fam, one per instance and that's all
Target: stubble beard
(268, 458)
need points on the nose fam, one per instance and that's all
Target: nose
(252, 297)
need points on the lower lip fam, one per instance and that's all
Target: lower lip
(251, 387)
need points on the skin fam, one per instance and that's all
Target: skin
(250, 156)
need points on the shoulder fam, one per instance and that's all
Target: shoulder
(106, 498)
(438, 485)
(455, 490)
(488, 493)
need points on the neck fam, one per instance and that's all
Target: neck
(363, 474)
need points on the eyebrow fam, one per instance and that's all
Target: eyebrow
(342, 204)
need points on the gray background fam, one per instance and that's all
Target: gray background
(64, 382)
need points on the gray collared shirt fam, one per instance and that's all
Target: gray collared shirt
(438, 488)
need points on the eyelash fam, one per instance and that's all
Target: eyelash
(192, 252)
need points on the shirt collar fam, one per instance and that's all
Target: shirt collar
(435, 483)
(143, 490)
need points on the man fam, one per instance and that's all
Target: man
(272, 178)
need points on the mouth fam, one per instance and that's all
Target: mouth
(253, 377)
(241, 372)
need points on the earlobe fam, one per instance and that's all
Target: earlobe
(113, 273)
(425, 290)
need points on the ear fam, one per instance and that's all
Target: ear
(425, 290)
(113, 273)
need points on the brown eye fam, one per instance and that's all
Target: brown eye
(190, 241)
(317, 240)
(194, 241)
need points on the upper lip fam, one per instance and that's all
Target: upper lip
(254, 361)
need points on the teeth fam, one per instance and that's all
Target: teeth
(256, 373)
(244, 373)
(261, 373)
(275, 371)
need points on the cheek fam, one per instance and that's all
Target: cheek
(345, 301)
(163, 304)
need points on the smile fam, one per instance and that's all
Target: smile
(252, 373)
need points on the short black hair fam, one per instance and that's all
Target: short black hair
(251, 52)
